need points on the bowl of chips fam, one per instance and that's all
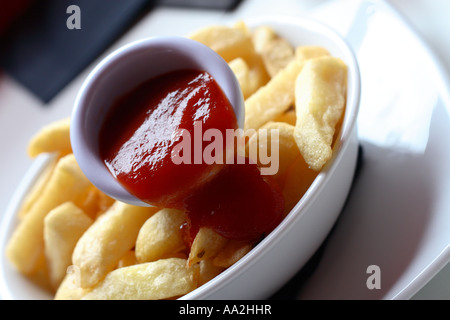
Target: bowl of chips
(62, 238)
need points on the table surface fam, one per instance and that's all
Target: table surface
(428, 18)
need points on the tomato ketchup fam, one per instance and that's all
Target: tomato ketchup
(145, 127)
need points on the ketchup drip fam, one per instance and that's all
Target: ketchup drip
(137, 140)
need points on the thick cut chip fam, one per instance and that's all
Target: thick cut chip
(250, 76)
(275, 51)
(128, 259)
(242, 72)
(235, 43)
(161, 279)
(54, 137)
(231, 253)
(229, 42)
(206, 245)
(320, 102)
(107, 240)
(67, 183)
(262, 36)
(160, 236)
(288, 117)
(208, 271)
(298, 179)
(278, 95)
(36, 190)
(63, 226)
(70, 286)
(96, 202)
(275, 148)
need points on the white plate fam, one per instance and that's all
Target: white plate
(398, 215)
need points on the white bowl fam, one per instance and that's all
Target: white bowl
(284, 251)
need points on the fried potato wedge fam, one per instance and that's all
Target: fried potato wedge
(160, 236)
(38, 187)
(67, 183)
(241, 70)
(161, 279)
(288, 117)
(107, 240)
(276, 52)
(235, 43)
(63, 226)
(96, 202)
(229, 42)
(206, 245)
(233, 251)
(54, 137)
(274, 142)
(128, 259)
(275, 98)
(320, 102)
(70, 286)
(298, 179)
(208, 271)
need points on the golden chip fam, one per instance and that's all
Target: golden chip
(320, 102)
(161, 279)
(278, 95)
(63, 226)
(54, 137)
(160, 236)
(67, 183)
(107, 240)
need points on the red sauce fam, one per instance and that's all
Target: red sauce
(137, 140)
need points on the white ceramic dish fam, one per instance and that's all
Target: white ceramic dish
(283, 252)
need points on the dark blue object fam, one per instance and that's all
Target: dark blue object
(44, 55)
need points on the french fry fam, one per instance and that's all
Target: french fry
(128, 259)
(107, 240)
(161, 279)
(261, 37)
(206, 245)
(208, 271)
(235, 43)
(40, 276)
(242, 72)
(288, 117)
(276, 52)
(67, 183)
(63, 226)
(55, 137)
(275, 98)
(160, 236)
(96, 202)
(231, 253)
(298, 179)
(278, 136)
(258, 75)
(320, 102)
(229, 42)
(37, 189)
(70, 286)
